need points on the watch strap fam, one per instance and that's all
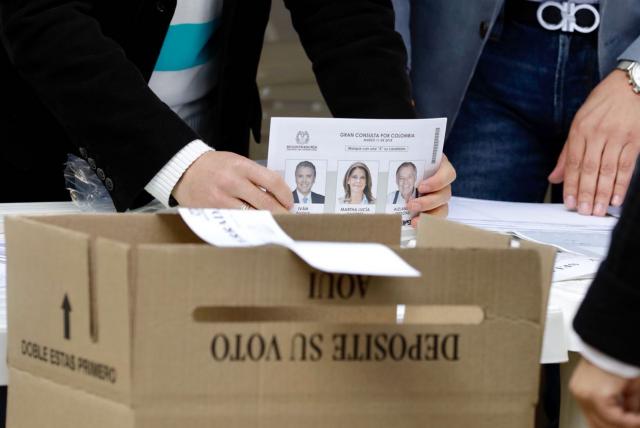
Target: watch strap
(630, 67)
(625, 64)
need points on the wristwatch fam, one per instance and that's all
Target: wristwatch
(633, 72)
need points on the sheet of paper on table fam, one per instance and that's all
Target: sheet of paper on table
(582, 240)
(574, 266)
(530, 216)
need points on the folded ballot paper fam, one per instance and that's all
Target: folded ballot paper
(235, 228)
(355, 166)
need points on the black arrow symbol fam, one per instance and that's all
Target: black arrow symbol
(66, 307)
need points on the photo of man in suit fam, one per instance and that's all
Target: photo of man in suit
(305, 178)
(406, 178)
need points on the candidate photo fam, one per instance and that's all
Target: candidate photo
(406, 179)
(305, 176)
(358, 185)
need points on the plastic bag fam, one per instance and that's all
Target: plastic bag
(86, 189)
(88, 192)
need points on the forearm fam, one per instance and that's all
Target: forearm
(162, 184)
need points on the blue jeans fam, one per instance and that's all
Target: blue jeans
(517, 112)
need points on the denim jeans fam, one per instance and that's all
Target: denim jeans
(517, 112)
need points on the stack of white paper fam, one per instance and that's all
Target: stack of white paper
(582, 240)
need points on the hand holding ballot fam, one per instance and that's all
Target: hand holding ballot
(393, 166)
(435, 192)
(227, 180)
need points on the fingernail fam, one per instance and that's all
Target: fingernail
(584, 208)
(600, 209)
(412, 206)
(570, 202)
(616, 200)
(424, 188)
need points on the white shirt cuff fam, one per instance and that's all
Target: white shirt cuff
(161, 186)
(607, 363)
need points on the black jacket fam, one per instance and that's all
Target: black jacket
(75, 76)
(609, 317)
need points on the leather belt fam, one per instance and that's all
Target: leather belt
(568, 17)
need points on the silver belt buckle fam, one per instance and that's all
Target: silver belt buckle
(568, 12)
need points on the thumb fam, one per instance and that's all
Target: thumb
(557, 175)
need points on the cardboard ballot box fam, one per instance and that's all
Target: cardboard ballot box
(129, 320)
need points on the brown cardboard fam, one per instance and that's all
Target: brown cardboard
(435, 232)
(166, 331)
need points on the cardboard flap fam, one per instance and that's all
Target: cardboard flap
(49, 279)
(435, 232)
(68, 307)
(169, 227)
(380, 228)
(132, 228)
(504, 283)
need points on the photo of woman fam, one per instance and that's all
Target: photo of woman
(358, 185)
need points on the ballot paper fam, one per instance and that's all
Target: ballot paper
(583, 241)
(501, 216)
(590, 243)
(236, 228)
(551, 224)
(355, 166)
(570, 266)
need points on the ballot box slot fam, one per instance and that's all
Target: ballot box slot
(340, 314)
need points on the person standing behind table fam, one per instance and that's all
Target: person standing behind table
(606, 382)
(527, 105)
(81, 71)
(305, 176)
(531, 95)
